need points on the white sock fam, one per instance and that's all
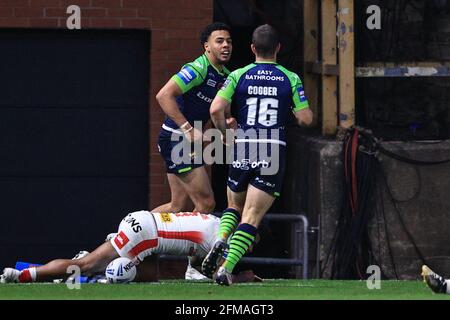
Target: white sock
(448, 285)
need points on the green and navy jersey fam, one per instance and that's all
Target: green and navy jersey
(199, 82)
(264, 94)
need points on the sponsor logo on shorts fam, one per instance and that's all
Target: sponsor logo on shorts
(267, 184)
(165, 217)
(187, 75)
(233, 181)
(244, 164)
(121, 240)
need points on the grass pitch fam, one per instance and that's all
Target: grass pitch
(189, 290)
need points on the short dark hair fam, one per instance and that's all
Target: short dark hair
(211, 28)
(265, 39)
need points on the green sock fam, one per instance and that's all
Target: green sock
(228, 222)
(241, 240)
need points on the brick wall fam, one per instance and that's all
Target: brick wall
(175, 26)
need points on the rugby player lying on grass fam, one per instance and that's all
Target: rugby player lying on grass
(140, 235)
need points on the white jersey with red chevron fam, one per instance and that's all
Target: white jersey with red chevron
(142, 233)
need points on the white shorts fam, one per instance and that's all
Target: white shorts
(137, 236)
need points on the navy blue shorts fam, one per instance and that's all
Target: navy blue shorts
(181, 162)
(258, 164)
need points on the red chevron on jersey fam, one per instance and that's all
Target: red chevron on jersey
(142, 246)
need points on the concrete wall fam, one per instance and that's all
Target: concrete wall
(315, 185)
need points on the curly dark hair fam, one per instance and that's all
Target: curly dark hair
(211, 28)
